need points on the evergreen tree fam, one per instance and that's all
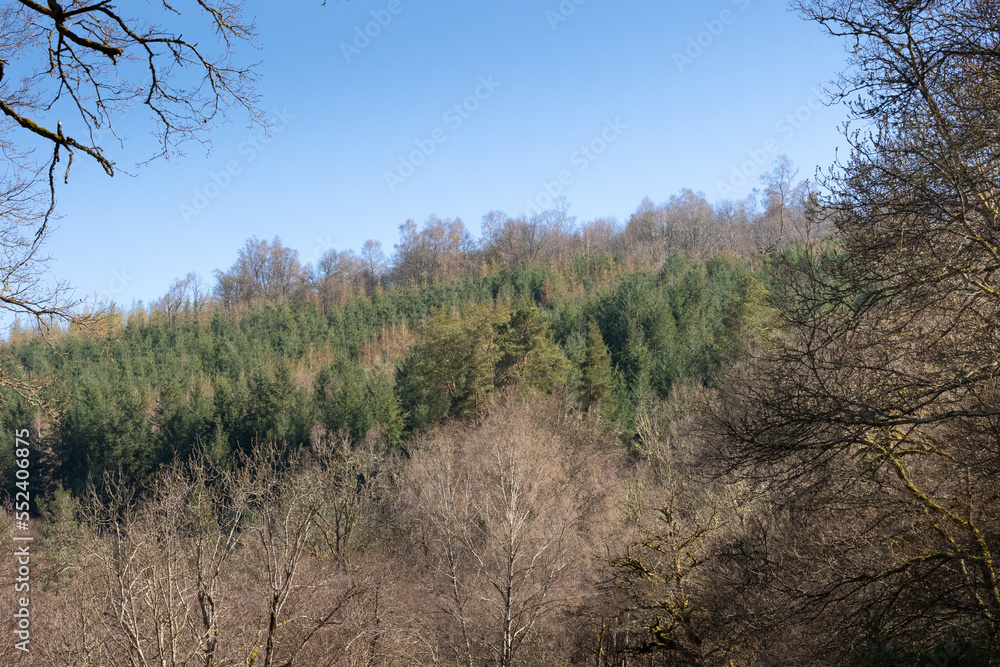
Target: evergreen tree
(528, 355)
(596, 375)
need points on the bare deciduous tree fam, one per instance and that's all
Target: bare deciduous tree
(502, 515)
(68, 72)
(262, 271)
(216, 567)
(877, 403)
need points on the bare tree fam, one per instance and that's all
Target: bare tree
(217, 567)
(185, 294)
(437, 253)
(375, 265)
(501, 512)
(735, 219)
(785, 202)
(512, 240)
(876, 404)
(68, 71)
(337, 276)
(600, 236)
(262, 271)
(691, 225)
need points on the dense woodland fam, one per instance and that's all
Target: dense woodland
(468, 428)
(754, 433)
(497, 450)
(293, 355)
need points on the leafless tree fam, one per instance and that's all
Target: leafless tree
(439, 252)
(375, 265)
(512, 240)
(735, 219)
(501, 512)
(218, 567)
(68, 71)
(785, 204)
(337, 276)
(262, 271)
(185, 294)
(876, 403)
(599, 236)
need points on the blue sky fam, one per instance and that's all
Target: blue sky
(456, 109)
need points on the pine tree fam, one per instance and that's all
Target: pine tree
(596, 372)
(528, 355)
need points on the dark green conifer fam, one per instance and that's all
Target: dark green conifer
(596, 374)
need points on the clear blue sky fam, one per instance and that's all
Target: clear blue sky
(606, 76)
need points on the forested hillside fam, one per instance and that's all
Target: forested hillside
(542, 372)
(556, 444)
(285, 354)
(758, 433)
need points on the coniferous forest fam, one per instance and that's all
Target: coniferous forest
(744, 432)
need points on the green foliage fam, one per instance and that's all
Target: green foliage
(460, 361)
(159, 388)
(59, 513)
(354, 400)
(528, 355)
(450, 369)
(681, 325)
(597, 380)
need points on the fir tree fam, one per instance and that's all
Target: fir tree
(596, 373)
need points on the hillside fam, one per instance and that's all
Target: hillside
(154, 385)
